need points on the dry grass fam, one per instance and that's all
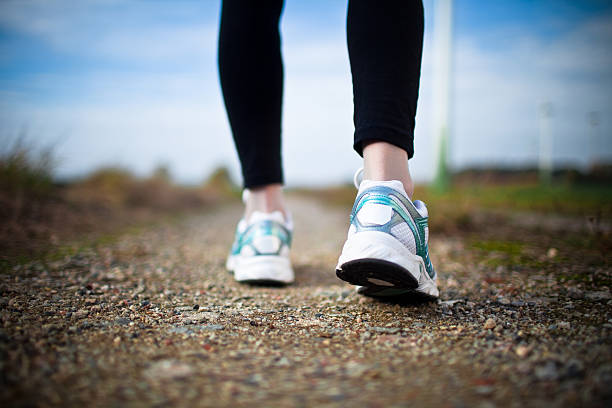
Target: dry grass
(38, 214)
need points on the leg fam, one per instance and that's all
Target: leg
(251, 73)
(386, 250)
(385, 43)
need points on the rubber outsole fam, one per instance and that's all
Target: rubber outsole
(266, 283)
(376, 273)
(405, 296)
(262, 270)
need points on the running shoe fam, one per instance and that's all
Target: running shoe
(260, 253)
(386, 251)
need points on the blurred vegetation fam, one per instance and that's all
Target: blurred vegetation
(37, 213)
(457, 210)
(26, 176)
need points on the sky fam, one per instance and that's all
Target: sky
(134, 84)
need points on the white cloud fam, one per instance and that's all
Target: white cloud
(116, 30)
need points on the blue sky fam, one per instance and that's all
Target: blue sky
(134, 83)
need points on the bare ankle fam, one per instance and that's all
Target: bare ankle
(384, 161)
(268, 198)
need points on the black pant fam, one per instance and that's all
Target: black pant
(385, 43)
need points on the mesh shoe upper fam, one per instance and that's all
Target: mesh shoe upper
(383, 206)
(264, 234)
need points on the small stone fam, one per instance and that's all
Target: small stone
(598, 295)
(212, 327)
(564, 325)
(547, 372)
(575, 293)
(168, 370)
(490, 323)
(85, 325)
(354, 369)
(484, 389)
(122, 321)
(551, 253)
(450, 302)
(117, 340)
(50, 327)
(283, 362)
(390, 330)
(81, 313)
(522, 351)
(196, 307)
(574, 369)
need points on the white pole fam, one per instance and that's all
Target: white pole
(442, 67)
(545, 163)
(593, 118)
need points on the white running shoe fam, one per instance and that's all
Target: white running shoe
(386, 249)
(260, 253)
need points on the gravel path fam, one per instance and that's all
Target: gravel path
(154, 319)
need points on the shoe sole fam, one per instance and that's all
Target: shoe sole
(394, 295)
(379, 262)
(263, 270)
(377, 273)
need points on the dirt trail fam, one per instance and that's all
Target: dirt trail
(154, 319)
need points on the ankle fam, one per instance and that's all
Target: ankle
(384, 161)
(268, 198)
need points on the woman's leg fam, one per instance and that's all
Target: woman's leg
(251, 73)
(385, 43)
(386, 252)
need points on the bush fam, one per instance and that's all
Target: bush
(26, 171)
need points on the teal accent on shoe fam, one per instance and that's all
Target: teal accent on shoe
(384, 195)
(258, 229)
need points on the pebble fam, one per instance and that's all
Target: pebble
(489, 324)
(81, 313)
(354, 369)
(522, 351)
(309, 344)
(390, 330)
(598, 295)
(547, 372)
(564, 325)
(168, 370)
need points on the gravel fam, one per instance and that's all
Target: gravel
(154, 319)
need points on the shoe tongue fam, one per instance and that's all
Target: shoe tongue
(261, 216)
(394, 184)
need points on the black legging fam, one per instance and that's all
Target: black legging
(385, 43)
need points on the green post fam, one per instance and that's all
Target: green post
(442, 86)
(442, 180)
